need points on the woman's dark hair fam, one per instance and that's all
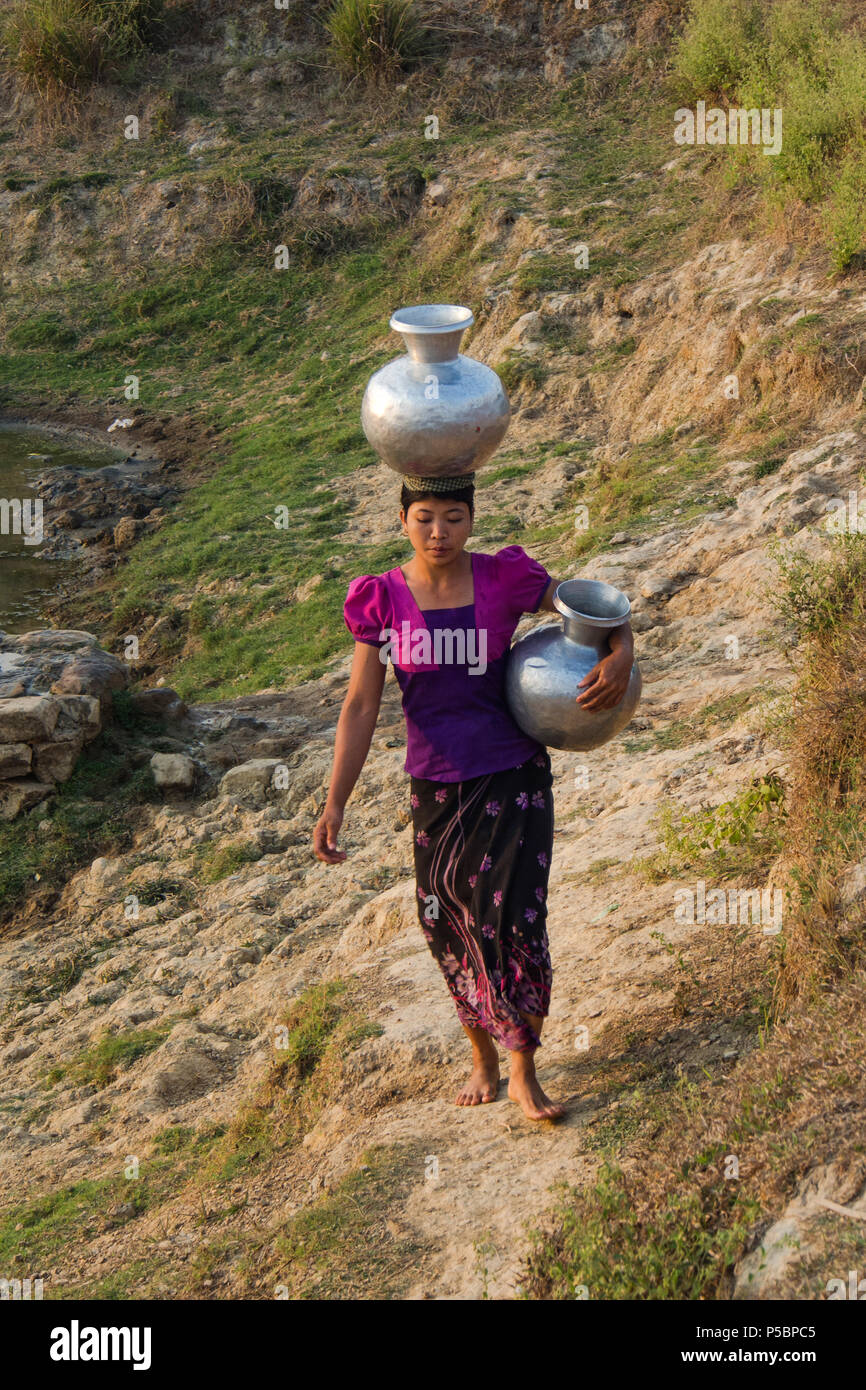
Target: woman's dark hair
(458, 494)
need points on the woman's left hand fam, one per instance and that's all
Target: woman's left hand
(606, 683)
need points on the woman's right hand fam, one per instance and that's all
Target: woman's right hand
(325, 836)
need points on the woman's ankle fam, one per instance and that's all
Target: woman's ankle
(523, 1061)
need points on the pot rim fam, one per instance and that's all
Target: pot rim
(421, 320)
(607, 594)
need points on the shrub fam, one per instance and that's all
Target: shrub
(802, 59)
(845, 217)
(377, 39)
(58, 46)
(715, 52)
(518, 369)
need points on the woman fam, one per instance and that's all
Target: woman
(481, 798)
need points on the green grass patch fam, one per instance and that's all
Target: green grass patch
(603, 1248)
(681, 732)
(48, 1230)
(323, 1024)
(115, 1052)
(808, 62)
(377, 40)
(57, 47)
(342, 1245)
(215, 862)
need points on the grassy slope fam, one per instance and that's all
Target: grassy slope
(292, 426)
(228, 340)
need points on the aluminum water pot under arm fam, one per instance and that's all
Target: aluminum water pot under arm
(546, 667)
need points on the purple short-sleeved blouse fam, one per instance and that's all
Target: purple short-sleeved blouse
(450, 663)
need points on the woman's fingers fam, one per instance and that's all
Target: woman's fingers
(603, 691)
(325, 842)
(589, 697)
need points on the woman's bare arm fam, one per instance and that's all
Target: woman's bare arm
(607, 681)
(351, 746)
(546, 604)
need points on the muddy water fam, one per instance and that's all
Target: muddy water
(27, 579)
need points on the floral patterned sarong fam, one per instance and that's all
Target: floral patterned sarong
(482, 861)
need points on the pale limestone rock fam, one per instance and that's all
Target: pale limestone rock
(173, 771)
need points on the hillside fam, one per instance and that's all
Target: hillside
(262, 1165)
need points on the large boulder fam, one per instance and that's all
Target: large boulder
(251, 780)
(28, 717)
(97, 673)
(15, 759)
(161, 702)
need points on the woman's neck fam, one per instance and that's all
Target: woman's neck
(438, 582)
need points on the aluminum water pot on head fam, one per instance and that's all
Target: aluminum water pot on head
(546, 666)
(434, 412)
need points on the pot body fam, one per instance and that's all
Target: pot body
(546, 666)
(434, 412)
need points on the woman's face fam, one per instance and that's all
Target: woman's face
(437, 530)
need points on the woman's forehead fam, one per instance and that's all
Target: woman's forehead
(445, 504)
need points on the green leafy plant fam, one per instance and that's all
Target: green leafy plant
(740, 835)
(735, 822)
(808, 62)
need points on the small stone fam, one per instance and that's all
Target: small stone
(438, 193)
(173, 771)
(160, 702)
(656, 586)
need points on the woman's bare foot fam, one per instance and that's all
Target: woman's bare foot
(483, 1083)
(525, 1091)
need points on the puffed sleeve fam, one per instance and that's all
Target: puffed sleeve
(520, 579)
(362, 610)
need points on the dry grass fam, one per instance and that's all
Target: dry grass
(669, 1223)
(826, 738)
(667, 1219)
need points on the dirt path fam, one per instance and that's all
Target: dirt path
(222, 967)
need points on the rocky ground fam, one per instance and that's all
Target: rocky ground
(219, 962)
(143, 947)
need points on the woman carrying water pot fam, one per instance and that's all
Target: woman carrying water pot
(480, 789)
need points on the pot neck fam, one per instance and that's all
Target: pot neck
(442, 346)
(587, 634)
